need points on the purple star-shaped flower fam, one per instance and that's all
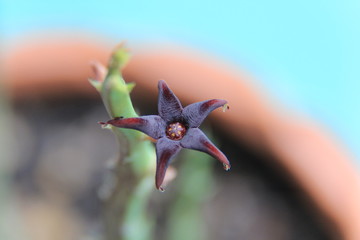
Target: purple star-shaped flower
(174, 128)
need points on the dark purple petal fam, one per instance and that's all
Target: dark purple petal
(152, 125)
(169, 106)
(196, 139)
(166, 149)
(194, 114)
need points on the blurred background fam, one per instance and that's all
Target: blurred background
(296, 62)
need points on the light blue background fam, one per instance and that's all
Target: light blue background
(306, 53)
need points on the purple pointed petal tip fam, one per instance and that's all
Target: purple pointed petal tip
(213, 103)
(165, 152)
(216, 153)
(162, 84)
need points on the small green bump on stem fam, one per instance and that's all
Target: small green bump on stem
(96, 84)
(130, 86)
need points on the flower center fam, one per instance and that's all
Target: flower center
(175, 131)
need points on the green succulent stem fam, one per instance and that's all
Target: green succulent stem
(135, 167)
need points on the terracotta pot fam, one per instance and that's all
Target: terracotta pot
(318, 163)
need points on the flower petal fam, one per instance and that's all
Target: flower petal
(197, 140)
(152, 125)
(166, 149)
(169, 106)
(194, 114)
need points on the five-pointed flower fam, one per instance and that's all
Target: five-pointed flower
(174, 128)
